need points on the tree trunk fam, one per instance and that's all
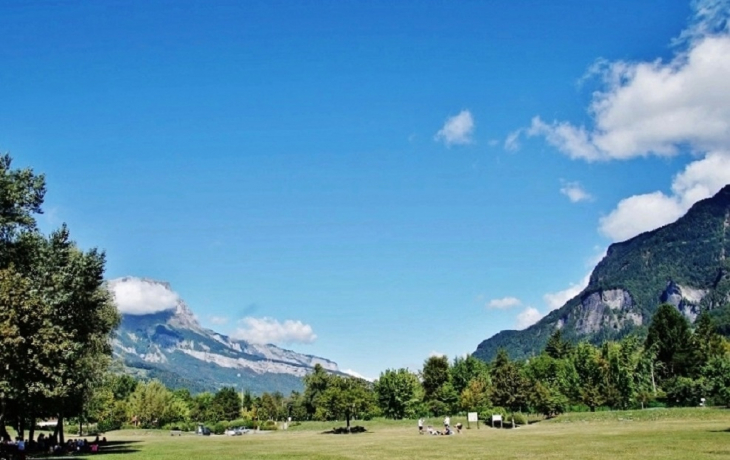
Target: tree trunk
(59, 429)
(31, 429)
(3, 431)
(347, 416)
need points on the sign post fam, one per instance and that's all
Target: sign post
(472, 417)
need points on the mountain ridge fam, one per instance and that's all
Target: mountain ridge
(684, 263)
(171, 345)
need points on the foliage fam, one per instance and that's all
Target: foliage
(669, 336)
(398, 393)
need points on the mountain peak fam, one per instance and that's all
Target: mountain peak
(144, 296)
(160, 337)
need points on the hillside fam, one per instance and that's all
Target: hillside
(683, 263)
(170, 345)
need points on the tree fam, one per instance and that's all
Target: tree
(346, 397)
(590, 381)
(315, 383)
(466, 369)
(509, 385)
(149, 404)
(226, 404)
(556, 347)
(705, 343)
(75, 314)
(435, 374)
(669, 335)
(475, 397)
(398, 393)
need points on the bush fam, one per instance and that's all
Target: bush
(269, 425)
(519, 418)
(241, 422)
(219, 428)
(108, 425)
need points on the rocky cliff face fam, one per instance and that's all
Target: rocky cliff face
(170, 344)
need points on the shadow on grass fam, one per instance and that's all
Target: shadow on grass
(109, 448)
(721, 431)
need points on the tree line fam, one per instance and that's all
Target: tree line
(673, 366)
(57, 321)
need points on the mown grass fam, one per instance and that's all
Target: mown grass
(648, 434)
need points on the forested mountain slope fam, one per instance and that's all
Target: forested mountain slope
(684, 263)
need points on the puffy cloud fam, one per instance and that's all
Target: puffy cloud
(457, 129)
(639, 213)
(556, 300)
(504, 303)
(659, 108)
(528, 317)
(135, 296)
(654, 107)
(269, 330)
(575, 192)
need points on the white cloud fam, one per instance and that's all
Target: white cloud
(575, 192)
(504, 303)
(457, 129)
(217, 320)
(639, 213)
(528, 317)
(659, 108)
(269, 330)
(556, 300)
(135, 296)
(512, 142)
(654, 107)
(357, 375)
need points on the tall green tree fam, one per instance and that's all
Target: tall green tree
(315, 383)
(466, 369)
(509, 385)
(226, 404)
(556, 346)
(398, 393)
(669, 336)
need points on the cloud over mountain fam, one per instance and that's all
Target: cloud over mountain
(136, 296)
(269, 330)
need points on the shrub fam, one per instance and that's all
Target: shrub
(108, 425)
(269, 425)
(519, 418)
(219, 428)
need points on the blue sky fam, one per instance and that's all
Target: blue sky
(371, 182)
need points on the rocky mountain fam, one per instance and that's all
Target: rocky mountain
(684, 263)
(170, 345)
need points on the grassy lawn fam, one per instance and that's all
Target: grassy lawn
(649, 434)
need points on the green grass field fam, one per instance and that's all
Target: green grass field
(648, 434)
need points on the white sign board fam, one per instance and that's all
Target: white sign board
(472, 417)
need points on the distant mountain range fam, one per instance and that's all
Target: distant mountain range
(684, 263)
(170, 345)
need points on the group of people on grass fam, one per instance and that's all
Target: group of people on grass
(447, 427)
(19, 448)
